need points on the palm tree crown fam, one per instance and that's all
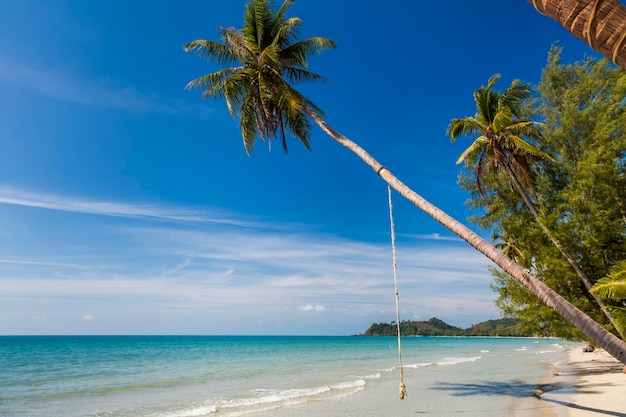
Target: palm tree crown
(266, 56)
(500, 132)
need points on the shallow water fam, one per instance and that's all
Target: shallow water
(193, 376)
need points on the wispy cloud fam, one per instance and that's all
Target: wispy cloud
(57, 84)
(11, 195)
(432, 236)
(192, 263)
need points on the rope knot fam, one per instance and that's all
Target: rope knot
(402, 391)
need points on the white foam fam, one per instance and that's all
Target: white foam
(484, 351)
(198, 411)
(267, 400)
(351, 384)
(455, 361)
(418, 365)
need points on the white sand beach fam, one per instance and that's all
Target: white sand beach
(588, 384)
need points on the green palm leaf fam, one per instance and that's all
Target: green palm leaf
(613, 286)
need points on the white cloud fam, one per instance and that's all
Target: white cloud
(214, 269)
(88, 317)
(14, 196)
(309, 307)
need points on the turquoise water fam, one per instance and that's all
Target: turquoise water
(193, 376)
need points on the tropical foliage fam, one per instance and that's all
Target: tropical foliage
(267, 57)
(613, 288)
(581, 193)
(500, 145)
(500, 133)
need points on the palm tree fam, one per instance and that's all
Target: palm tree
(267, 56)
(500, 144)
(500, 134)
(261, 102)
(508, 246)
(600, 23)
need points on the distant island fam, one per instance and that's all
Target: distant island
(436, 327)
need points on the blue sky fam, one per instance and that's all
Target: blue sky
(128, 204)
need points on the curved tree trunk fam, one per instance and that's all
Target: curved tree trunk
(600, 23)
(598, 334)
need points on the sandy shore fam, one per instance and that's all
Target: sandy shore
(588, 384)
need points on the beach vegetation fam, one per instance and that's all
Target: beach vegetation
(613, 288)
(581, 195)
(506, 142)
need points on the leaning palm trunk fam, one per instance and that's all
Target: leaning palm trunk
(596, 333)
(600, 23)
(583, 277)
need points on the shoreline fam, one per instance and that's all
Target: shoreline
(585, 384)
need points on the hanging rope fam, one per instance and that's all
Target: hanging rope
(395, 281)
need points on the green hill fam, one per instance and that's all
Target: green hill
(437, 327)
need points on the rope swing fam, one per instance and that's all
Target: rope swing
(402, 387)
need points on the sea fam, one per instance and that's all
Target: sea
(299, 376)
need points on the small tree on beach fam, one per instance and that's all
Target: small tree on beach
(267, 56)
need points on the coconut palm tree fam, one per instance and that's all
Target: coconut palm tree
(508, 246)
(501, 134)
(600, 23)
(500, 144)
(259, 103)
(267, 56)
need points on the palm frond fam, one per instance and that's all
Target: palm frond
(239, 44)
(280, 13)
(298, 75)
(610, 288)
(213, 84)
(613, 286)
(478, 146)
(492, 81)
(299, 52)
(502, 119)
(212, 51)
(286, 32)
(468, 126)
(515, 94)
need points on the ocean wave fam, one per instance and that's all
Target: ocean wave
(484, 351)
(371, 376)
(418, 365)
(264, 400)
(455, 361)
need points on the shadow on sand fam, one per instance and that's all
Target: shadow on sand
(519, 390)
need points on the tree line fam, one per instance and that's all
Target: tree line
(506, 327)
